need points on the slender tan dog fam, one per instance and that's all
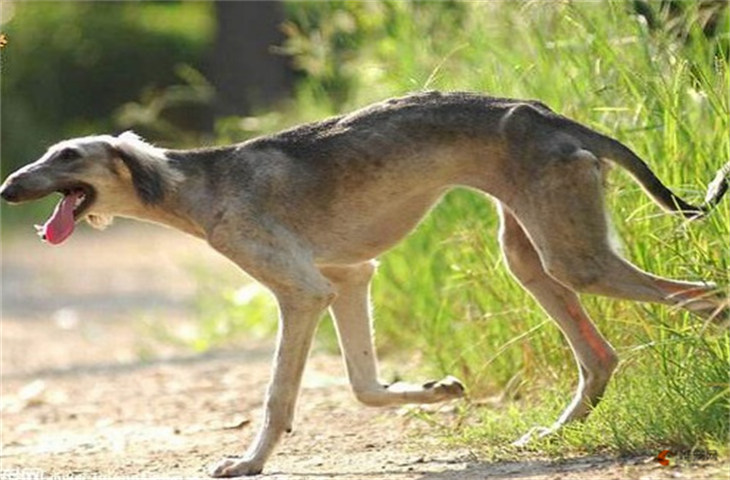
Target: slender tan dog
(307, 211)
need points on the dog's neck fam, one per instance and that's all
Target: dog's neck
(163, 191)
(171, 214)
(168, 213)
(187, 204)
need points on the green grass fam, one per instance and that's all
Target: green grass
(445, 291)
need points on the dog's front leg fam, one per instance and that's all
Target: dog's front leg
(302, 294)
(298, 323)
(352, 314)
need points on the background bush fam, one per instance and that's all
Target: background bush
(69, 66)
(444, 295)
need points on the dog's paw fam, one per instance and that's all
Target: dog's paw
(447, 388)
(235, 467)
(532, 434)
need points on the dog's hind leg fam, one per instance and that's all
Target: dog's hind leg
(563, 218)
(595, 357)
(303, 294)
(352, 314)
(567, 224)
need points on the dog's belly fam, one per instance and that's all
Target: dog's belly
(361, 235)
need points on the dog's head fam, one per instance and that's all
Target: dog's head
(98, 177)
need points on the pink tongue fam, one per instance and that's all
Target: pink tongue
(61, 224)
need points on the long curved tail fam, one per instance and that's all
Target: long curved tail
(611, 149)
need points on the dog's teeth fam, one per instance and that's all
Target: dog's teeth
(41, 231)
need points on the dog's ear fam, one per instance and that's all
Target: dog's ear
(146, 179)
(145, 165)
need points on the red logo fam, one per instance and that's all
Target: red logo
(662, 457)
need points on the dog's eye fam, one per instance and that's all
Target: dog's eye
(68, 154)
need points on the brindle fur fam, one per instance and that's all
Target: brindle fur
(307, 211)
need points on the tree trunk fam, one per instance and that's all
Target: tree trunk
(245, 71)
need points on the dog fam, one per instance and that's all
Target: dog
(307, 211)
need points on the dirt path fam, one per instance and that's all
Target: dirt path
(87, 391)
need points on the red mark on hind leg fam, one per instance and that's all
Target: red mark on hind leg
(589, 334)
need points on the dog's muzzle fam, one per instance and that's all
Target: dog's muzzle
(16, 192)
(13, 191)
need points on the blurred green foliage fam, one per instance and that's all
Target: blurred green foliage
(344, 48)
(70, 65)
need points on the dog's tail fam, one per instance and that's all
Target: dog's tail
(611, 149)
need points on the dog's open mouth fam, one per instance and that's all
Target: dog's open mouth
(75, 202)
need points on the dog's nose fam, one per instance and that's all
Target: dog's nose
(10, 192)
